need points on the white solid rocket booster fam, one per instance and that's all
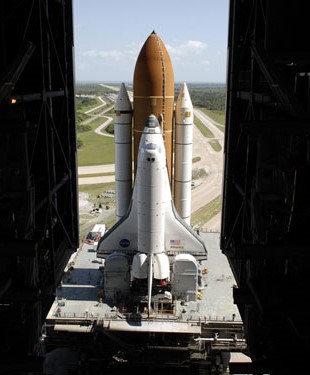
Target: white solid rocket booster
(184, 119)
(123, 153)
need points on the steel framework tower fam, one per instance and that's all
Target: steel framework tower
(38, 178)
(266, 205)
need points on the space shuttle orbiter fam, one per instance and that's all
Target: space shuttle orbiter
(151, 228)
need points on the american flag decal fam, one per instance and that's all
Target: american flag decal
(175, 242)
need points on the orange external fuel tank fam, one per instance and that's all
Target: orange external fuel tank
(153, 90)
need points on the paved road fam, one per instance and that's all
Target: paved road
(101, 127)
(108, 119)
(99, 106)
(96, 169)
(114, 88)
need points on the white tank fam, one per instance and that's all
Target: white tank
(185, 277)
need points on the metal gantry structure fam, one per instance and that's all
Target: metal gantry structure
(266, 204)
(38, 170)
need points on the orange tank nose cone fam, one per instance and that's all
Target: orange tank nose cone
(153, 87)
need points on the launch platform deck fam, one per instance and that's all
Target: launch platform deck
(212, 321)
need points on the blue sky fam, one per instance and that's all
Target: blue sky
(108, 36)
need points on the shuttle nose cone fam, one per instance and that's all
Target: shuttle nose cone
(152, 122)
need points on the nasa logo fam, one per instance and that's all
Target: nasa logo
(124, 242)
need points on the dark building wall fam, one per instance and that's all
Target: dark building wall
(38, 171)
(266, 205)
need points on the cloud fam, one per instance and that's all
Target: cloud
(189, 58)
(112, 54)
(129, 52)
(187, 49)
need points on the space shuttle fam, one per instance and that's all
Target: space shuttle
(152, 243)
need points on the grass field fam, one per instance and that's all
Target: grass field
(96, 149)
